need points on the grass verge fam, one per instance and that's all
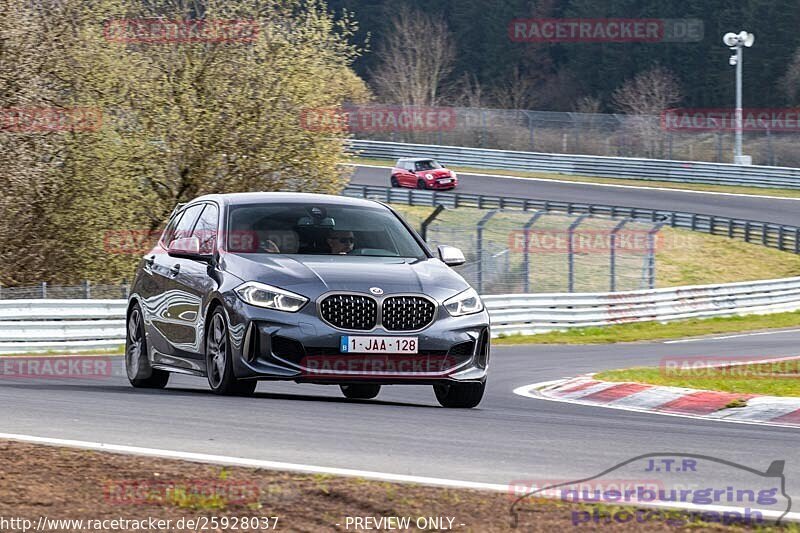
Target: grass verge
(769, 379)
(650, 331)
(62, 483)
(683, 257)
(759, 191)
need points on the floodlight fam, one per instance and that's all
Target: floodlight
(730, 39)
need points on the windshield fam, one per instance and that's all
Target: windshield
(319, 229)
(428, 165)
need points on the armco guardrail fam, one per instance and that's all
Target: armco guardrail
(61, 325)
(782, 237)
(538, 313)
(581, 165)
(42, 325)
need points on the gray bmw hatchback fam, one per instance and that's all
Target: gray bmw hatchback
(308, 288)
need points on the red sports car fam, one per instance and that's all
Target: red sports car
(423, 173)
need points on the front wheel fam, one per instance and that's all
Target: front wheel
(459, 395)
(421, 184)
(360, 391)
(395, 181)
(137, 367)
(219, 364)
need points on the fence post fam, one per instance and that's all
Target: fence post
(797, 241)
(613, 254)
(44, 289)
(87, 289)
(571, 251)
(651, 256)
(481, 224)
(527, 250)
(423, 229)
(126, 289)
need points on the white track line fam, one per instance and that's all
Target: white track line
(365, 474)
(252, 463)
(737, 336)
(615, 185)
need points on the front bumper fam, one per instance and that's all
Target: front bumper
(272, 345)
(437, 185)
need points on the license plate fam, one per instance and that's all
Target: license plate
(351, 344)
(445, 181)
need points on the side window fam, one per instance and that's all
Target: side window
(206, 229)
(186, 223)
(169, 232)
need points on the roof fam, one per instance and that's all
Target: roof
(414, 159)
(285, 197)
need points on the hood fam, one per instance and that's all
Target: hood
(313, 275)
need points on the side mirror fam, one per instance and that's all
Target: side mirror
(188, 247)
(451, 256)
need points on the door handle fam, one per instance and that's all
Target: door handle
(175, 270)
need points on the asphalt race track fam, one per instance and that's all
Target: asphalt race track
(508, 437)
(781, 211)
(404, 431)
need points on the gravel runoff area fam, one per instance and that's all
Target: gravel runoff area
(40, 485)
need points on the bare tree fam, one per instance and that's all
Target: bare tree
(649, 93)
(588, 105)
(790, 83)
(416, 58)
(469, 92)
(517, 91)
(645, 97)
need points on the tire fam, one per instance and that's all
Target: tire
(395, 181)
(140, 374)
(421, 184)
(219, 364)
(460, 395)
(360, 391)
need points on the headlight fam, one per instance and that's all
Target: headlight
(428, 176)
(464, 303)
(262, 295)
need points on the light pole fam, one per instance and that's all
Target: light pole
(737, 42)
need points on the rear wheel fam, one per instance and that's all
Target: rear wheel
(395, 181)
(219, 364)
(459, 395)
(360, 391)
(137, 367)
(421, 184)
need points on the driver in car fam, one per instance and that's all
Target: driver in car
(341, 242)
